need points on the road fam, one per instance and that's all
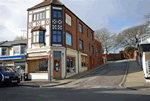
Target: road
(101, 85)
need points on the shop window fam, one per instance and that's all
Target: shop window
(38, 66)
(70, 64)
(43, 66)
(57, 55)
(68, 39)
(83, 61)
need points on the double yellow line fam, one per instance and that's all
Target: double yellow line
(125, 75)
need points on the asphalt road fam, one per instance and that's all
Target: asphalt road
(101, 85)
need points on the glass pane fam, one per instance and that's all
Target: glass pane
(22, 49)
(37, 17)
(59, 32)
(68, 39)
(54, 32)
(57, 54)
(41, 32)
(59, 38)
(16, 49)
(34, 17)
(54, 38)
(59, 14)
(43, 65)
(41, 38)
(41, 15)
(54, 14)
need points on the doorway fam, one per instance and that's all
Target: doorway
(57, 68)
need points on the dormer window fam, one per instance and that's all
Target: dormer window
(38, 34)
(4, 51)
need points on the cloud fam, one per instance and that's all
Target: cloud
(112, 14)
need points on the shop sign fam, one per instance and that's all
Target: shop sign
(51, 55)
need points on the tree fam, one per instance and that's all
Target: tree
(20, 38)
(131, 36)
(129, 50)
(106, 38)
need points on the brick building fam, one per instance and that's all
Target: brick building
(59, 43)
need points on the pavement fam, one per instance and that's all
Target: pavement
(135, 77)
(55, 82)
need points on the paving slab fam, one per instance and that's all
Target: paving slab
(135, 78)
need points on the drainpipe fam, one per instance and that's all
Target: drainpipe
(66, 63)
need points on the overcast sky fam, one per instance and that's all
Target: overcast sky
(115, 15)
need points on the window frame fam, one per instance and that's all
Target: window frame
(68, 20)
(92, 49)
(81, 44)
(37, 36)
(57, 14)
(80, 28)
(24, 49)
(91, 35)
(66, 39)
(35, 16)
(96, 50)
(2, 51)
(18, 46)
(57, 35)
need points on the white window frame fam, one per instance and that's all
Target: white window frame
(68, 20)
(19, 50)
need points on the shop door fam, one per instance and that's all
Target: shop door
(57, 68)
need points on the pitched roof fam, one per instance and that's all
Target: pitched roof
(38, 28)
(11, 43)
(46, 2)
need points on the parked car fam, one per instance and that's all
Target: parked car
(8, 76)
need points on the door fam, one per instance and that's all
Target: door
(57, 68)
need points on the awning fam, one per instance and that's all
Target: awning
(11, 57)
(38, 57)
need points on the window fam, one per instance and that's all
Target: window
(41, 36)
(16, 49)
(57, 14)
(96, 50)
(56, 54)
(43, 66)
(83, 61)
(4, 51)
(92, 36)
(68, 39)
(38, 36)
(68, 19)
(92, 49)
(89, 47)
(87, 32)
(39, 16)
(80, 44)
(23, 49)
(80, 28)
(57, 36)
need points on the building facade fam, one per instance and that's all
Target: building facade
(12, 53)
(59, 43)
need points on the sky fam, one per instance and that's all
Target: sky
(115, 15)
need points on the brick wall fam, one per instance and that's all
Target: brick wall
(85, 37)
